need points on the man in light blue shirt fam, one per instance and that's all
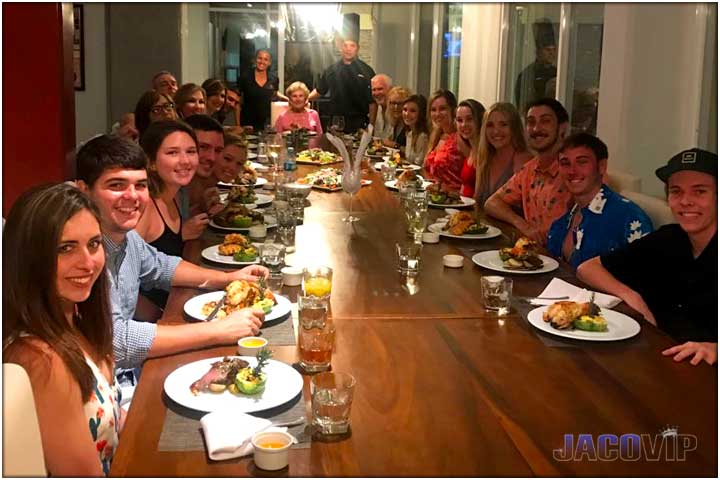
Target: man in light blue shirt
(600, 220)
(112, 172)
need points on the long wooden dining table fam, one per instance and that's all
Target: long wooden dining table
(444, 387)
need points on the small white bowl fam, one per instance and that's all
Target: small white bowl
(257, 231)
(249, 346)
(271, 458)
(292, 276)
(430, 237)
(453, 261)
(299, 187)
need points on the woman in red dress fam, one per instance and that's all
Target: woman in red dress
(468, 121)
(443, 161)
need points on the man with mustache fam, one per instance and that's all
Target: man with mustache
(670, 276)
(601, 220)
(537, 189)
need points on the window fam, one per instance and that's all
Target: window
(451, 44)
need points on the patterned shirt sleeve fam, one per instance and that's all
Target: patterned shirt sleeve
(157, 268)
(637, 225)
(131, 339)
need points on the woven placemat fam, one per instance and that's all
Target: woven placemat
(182, 431)
(280, 331)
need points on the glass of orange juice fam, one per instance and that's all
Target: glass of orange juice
(317, 281)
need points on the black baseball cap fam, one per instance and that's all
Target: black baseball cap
(694, 159)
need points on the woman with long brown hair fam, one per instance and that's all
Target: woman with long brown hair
(468, 121)
(414, 114)
(502, 150)
(57, 325)
(444, 161)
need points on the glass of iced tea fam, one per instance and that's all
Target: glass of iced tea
(317, 281)
(316, 334)
(332, 396)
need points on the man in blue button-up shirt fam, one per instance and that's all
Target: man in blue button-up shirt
(112, 172)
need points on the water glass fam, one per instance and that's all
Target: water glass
(316, 334)
(332, 396)
(416, 205)
(496, 293)
(272, 255)
(297, 204)
(274, 282)
(286, 226)
(388, 172)
(409, 258)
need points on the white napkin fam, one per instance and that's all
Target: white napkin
(228, 433)
(338, 143)
(560, 288)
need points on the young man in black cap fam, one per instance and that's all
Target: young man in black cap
(670, 276)
(348, 81)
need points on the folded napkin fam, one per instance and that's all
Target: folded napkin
(561, 288)
(228, 433)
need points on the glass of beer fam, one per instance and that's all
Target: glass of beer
(316, 334)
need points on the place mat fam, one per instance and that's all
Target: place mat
(182, 431)
(281, 331)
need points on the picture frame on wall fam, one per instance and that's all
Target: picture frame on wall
(78, 48)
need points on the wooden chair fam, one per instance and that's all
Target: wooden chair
(22, 448)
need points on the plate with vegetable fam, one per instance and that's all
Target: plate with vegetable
(199, 307)
(210, 384)
(492, 260)
(316, 156)
(583, 321)
(236, 249)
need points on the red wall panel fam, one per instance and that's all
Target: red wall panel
(38, 97)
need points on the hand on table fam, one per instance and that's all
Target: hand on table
(698, 350)
(195, 226)
(211, 197)
(241, 323)
(636, 302)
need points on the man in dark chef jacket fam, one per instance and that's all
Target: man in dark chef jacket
(347, 81)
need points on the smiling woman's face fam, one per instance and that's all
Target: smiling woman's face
(440, 114)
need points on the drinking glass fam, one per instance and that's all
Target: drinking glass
(317, 281)
(316, 333)
(332, 396)
(409, 258)
(274, 282)
(337, 124)
(416, 205)
(388, 172)
(286, 225)
(297, 204)
(274, 147)
(351, 185)
(496, 293)
(272, 255)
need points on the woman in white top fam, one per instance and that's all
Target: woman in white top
(57, 326)
(414, 115)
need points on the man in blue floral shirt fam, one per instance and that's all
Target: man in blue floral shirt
(601, 220)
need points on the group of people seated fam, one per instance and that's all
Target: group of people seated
(79, 312)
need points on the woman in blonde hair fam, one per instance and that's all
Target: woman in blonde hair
(396, 99)
(298, 115)
(468, 121)
(190, 100)
(233, 159)
(444, 161)
(502, 150)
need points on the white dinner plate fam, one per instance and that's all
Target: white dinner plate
(283, 384)
(392, 184)
(309, 133)
(270, 222)
(252, 146)
(466, 202)
(491, 259)
(259, 167)
(261, 199)
(193, 307)
(258, 183)
(251, 137)
(620, 326)
(492, 232)
(251, 155)
(211, 253)
(378, 166)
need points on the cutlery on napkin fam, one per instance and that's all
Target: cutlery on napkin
(228, 433)
(561, 288)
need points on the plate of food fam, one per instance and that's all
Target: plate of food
(258, 182)
(378, 150)
(583, 321)
(236, 249)
(442, 196)
(327, 179)
(211, 384)
(239, 218)
(237, 295)
(465, 226)
(317, 156)
(521, 258)
(408, 177)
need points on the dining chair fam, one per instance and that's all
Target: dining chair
(22, 448)
(656, 208)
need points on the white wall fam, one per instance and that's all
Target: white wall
(650, 86)
(480, 53)
(393, 41)
(91, 110)
(194, 31)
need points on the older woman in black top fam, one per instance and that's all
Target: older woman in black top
(258, 87)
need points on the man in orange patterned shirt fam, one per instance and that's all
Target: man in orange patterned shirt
(537, 189)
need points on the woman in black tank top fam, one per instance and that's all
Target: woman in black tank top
(171, 147)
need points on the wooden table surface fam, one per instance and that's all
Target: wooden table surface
(445, 388)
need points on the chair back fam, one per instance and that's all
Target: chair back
(620, 181)
(22, 447)
(656, 208)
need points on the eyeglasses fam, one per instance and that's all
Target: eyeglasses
(396, 104)
(166, 107)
